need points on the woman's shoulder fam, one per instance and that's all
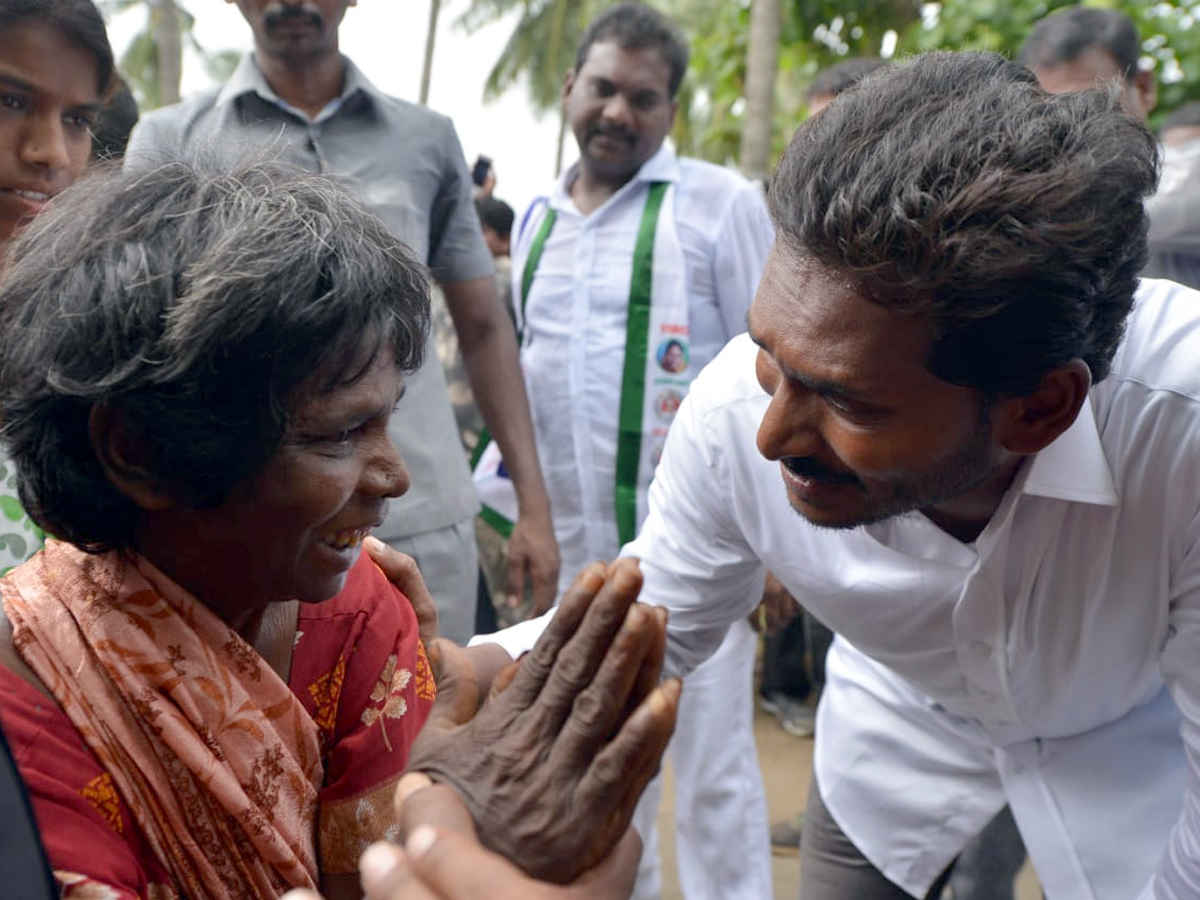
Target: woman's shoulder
(11, 664)
(89, 835)
(367, 592)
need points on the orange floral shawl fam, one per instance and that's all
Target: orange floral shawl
(217, 757)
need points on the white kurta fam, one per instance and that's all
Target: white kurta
(573, 354)
(573, 351)
(1028, 666)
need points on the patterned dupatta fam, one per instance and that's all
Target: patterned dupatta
(215, 756)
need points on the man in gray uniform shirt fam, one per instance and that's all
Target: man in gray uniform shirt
(297, 96)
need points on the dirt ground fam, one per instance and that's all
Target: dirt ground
(787, 767)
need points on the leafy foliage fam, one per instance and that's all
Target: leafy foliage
(816, 34)
(541, 47)
(141, 64)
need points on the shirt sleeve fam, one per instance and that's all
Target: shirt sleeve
(739, 255)
(516, 639)
(1174, 211)
(694, 558)
(156, 138)
(1178, 875)
(457, 251)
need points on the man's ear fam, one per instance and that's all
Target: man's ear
(122, 455)
(1145, 85)
(1033, 422)
(568, 82)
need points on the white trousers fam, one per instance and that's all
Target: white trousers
(722, 840)
(449, 562)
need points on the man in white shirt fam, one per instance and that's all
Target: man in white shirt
(1005, 514)
(990, 487)
(628, 279)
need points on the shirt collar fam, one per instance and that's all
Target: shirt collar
(248, 78)
(662, 166)
(1074, 467)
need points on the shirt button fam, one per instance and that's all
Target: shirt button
(981, 649)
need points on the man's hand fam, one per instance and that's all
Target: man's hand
(778, 607)
(437, 865)
(443, 855)
(551, 767)
(442, 859)
(532, 560)
(401, 570)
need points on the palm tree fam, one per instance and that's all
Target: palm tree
(541, 48)
(762, 64)
(152, 64)
(435, 8)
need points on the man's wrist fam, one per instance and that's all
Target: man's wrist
(533, 503)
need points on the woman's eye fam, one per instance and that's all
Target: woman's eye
(11, 101)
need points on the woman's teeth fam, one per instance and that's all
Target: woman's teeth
(36, 196)
(351, 537)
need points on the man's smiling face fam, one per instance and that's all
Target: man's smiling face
(862, 429)
(620, 108)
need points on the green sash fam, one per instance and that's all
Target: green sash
(634, 465)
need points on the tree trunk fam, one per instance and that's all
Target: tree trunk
(562, 136)
(435, 7)
(170, 51)
(762, 64)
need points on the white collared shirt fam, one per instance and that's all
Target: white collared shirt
(574, 324)
(1027, 666)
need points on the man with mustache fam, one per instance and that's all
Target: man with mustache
(297, 96)
(965, 434)
(635, 250)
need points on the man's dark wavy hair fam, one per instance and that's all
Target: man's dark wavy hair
(952, 185)
(196, 304)
(635, 26)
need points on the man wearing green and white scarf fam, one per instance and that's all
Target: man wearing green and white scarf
(628, 278)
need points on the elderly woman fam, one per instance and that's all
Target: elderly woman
(209, 689)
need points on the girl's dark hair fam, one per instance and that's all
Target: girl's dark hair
(79, 20)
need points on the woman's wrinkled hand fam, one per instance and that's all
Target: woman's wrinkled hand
(551, 767)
